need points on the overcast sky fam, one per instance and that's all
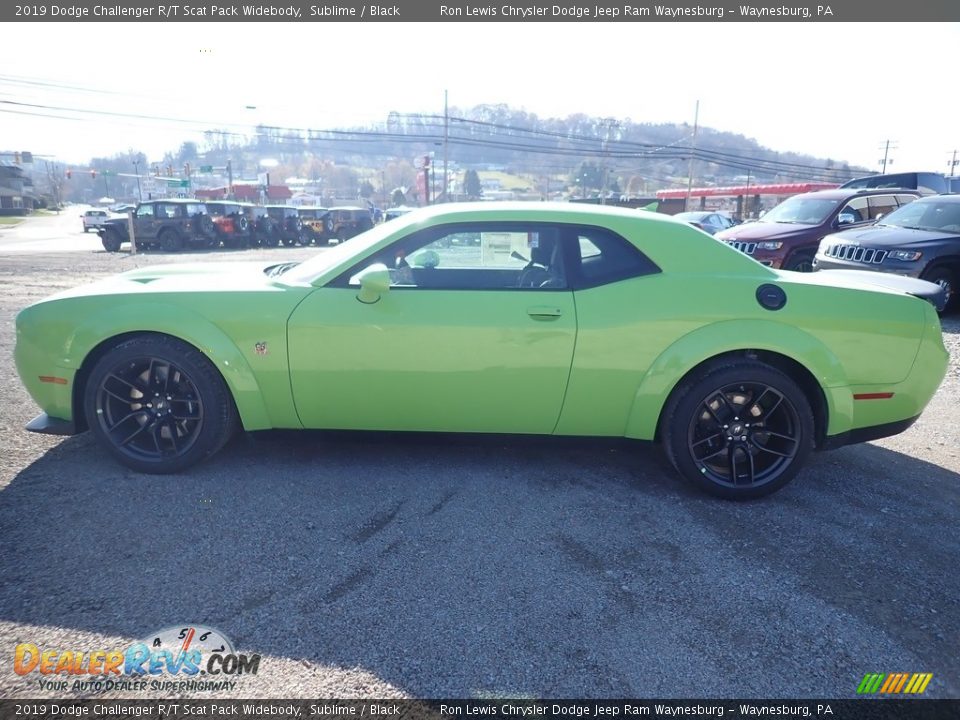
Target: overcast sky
(837, 91)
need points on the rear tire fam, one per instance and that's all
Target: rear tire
(170, 240)
(739, 431)
(158, 405)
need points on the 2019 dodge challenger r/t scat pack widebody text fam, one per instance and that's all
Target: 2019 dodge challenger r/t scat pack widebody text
(539, 318)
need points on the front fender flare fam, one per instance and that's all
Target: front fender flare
(710, 341)
(186, 325)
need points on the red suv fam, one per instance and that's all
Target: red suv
(788, 235)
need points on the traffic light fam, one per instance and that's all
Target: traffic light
(69, 173)
(93, 174)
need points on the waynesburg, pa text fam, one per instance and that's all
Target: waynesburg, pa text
(540, 12)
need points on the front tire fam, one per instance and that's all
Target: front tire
(945, 278)
(801, 262)
(740, 431)
(158, 405)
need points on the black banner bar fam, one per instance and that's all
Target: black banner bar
(644, 11)
(509, 709)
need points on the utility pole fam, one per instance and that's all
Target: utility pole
(446, 137)
(230, 179)
(953, 164)
(693, 150)
(610, 124)
(887, 160)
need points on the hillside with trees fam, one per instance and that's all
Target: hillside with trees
(578, 155)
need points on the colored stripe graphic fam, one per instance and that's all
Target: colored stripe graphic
(894, 683)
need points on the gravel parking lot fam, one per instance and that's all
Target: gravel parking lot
(427, 567)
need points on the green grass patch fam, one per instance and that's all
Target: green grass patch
(10, 220)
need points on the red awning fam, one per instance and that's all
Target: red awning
(777, 189)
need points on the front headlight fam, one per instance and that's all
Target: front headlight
(906, 255)
(769, 245)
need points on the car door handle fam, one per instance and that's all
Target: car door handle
(544, 312)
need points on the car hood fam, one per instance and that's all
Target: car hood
(766, 231)
(184, 278)
(869, 280)
(890, 236)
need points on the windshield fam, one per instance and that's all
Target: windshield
(802, 210)
(310, 270)
(939, 216)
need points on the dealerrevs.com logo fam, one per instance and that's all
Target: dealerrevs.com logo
(178, 658)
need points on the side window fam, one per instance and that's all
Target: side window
(881, 205)
(475, 256)
(904, 199)
(855, 211)
(605, 257)
(145, 211)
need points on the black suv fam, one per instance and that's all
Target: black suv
(345, 222)
(787, 236)
(263, 230)
(230, 223)
(170, 224)
(921, 240)
(287, 220)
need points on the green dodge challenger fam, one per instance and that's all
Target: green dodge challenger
(537, 318)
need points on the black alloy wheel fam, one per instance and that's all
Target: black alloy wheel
(741, 432)
(158, 404)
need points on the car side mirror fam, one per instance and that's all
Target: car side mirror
(374, 281)
(846, 219)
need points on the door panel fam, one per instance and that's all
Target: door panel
(430, 359)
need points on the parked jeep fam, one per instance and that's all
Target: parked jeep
(316, 225)
(263, 230)
(230, 223)
(345, 222)
(287, 220)
(171, 224)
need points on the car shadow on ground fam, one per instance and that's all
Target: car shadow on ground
(454, 567)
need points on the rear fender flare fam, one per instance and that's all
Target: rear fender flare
(717, 339)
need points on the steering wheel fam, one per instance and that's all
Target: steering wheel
(533, 276)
